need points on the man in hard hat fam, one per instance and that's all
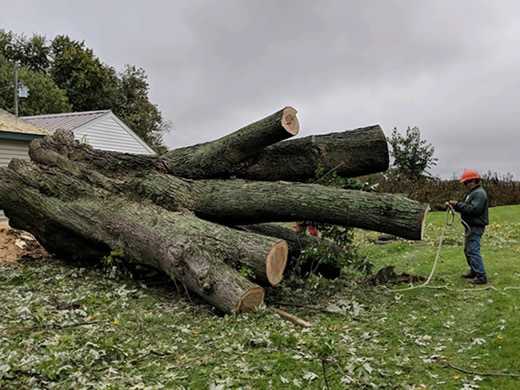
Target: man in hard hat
(474, 212)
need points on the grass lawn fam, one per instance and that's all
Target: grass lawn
(67, 327)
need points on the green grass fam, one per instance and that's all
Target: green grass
(141, 334)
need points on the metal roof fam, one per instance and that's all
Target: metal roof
(67, 121)
(12, 124)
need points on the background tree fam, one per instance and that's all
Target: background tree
(31, 52)
(412, 156)
(44, 95)
(90, 85)
(64, 75)
(136, 110)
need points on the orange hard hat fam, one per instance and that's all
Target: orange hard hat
(469, 174)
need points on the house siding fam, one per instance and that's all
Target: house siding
(109, 135)
(12, 149)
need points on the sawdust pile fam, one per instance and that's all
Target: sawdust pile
(17, 244)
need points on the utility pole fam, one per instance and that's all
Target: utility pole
(15, 103)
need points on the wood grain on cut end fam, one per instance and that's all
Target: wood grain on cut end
(276, 262)
(251, 298)
(290, 121)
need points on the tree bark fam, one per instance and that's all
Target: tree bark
(350, 154)
(52, 205)
(296, 243)
(215, 159)
(233, 202)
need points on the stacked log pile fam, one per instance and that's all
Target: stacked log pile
(200, 213)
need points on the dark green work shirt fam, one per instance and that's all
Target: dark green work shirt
(474, 209)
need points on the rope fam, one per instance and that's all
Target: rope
(450, 212)
(448, 222)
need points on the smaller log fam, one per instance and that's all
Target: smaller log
(215, 159)
(296, 243)
(350, 154)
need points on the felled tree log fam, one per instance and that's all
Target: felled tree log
(233, 202)
(297, 242)
(59, 209)
(217, 158)
(164, 212)
(350, 153)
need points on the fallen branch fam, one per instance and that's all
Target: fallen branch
(293, 319)
(448, 364)
(323, 362)
(150, 352)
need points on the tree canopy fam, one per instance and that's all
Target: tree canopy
(63, 75)
(45, 96)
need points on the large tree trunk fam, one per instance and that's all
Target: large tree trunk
(164, 212)
(239, 202)
(217, 158)
(350, 153)
(47, 203)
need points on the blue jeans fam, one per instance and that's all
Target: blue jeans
(472, 251)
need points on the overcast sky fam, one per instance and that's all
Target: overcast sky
(450, 67)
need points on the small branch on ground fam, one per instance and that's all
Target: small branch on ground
(323, 364)
(150, 352)
(293, 319)
(448, 364)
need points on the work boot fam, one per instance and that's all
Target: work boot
(477, 281)
(469, 275)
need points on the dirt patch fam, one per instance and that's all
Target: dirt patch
(387, 275)
(16, 244)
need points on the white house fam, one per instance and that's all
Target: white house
(15, 136)
(100, 129)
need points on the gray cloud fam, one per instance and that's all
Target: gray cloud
(448, 67)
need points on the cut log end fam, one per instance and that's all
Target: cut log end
(290, 121)
(250, 299)
(276, 261)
